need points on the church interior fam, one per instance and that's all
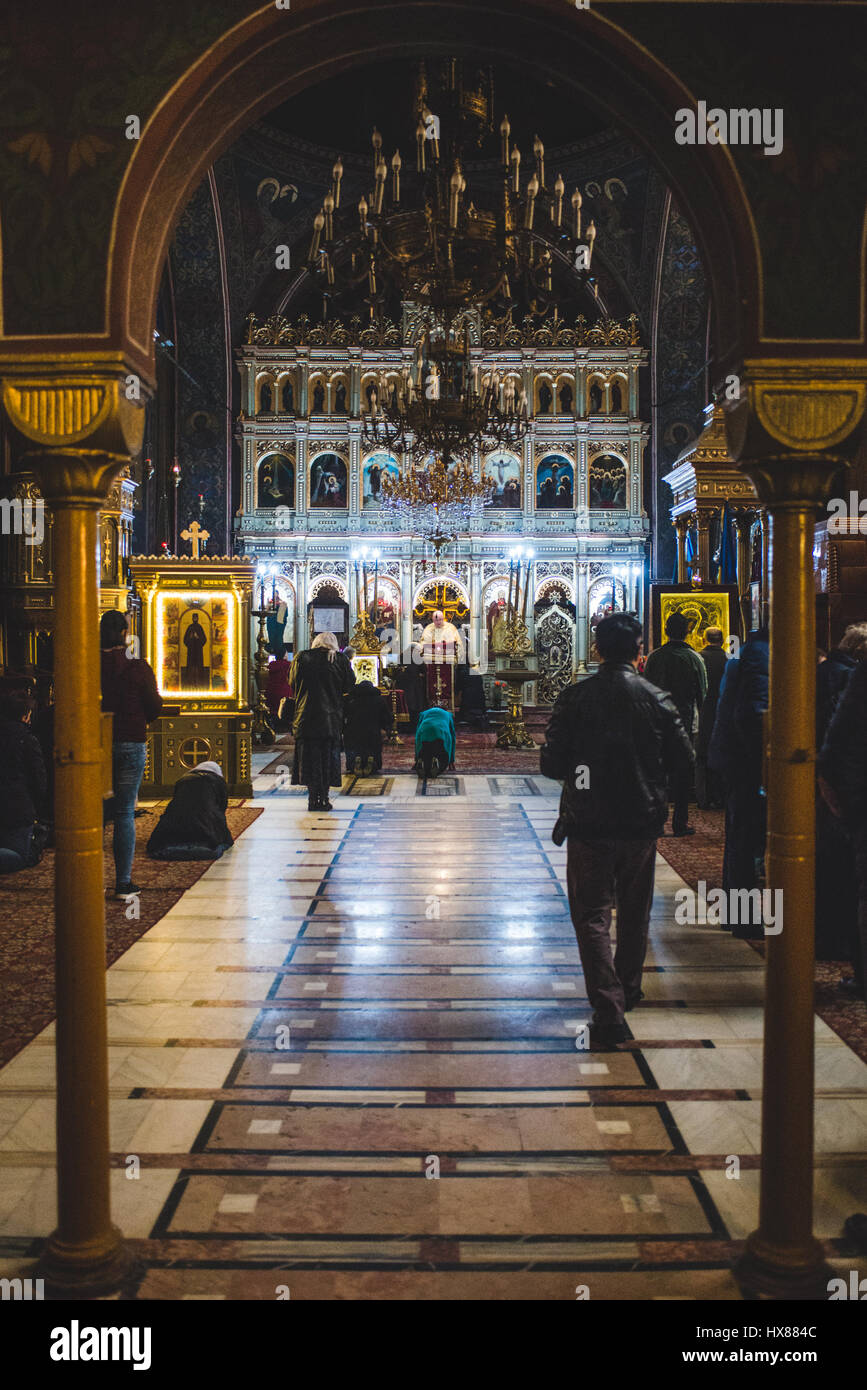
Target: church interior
(428, 336)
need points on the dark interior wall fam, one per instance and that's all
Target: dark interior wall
(678, 376)
(200, 350)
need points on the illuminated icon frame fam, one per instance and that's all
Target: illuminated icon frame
(197, 599)
(710, 605)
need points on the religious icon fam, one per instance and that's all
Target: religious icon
(377, 467)
(195, 640)
(276, 482)
(554, 483)
(504, 471)
(702, 609)
(607, 482)
(194, 645)
(328, 481)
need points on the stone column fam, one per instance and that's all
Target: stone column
(475, 652)
(783, 1252)
(301, 629)
(581, 632)
(704, 517)
(80, 431)
(681, 525)
(405, 608)
(791, 433)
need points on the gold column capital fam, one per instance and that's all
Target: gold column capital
(794, 481)
(812, 405)
(88, 408)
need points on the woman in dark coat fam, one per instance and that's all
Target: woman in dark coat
(366, 714)
(193, 825)
(277, 687)
(320, 678)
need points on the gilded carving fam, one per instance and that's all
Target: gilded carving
(815, 416)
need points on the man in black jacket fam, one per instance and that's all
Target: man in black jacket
(23, 784)
(675, 667)
(613, 740)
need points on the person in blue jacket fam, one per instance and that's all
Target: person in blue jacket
(435, 741)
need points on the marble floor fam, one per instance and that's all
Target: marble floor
(345, 1063)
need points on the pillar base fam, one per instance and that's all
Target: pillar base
(89, 1270)
(766, 1271)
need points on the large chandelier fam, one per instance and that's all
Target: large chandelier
(423, 239)
(444, 405)
(437, 503)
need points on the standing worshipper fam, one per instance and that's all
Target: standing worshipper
(736, 752)
(277, 687)
(614, 741)
(23, 783)
(676, 668)
(843, 783)
(836, 882)
(319, 678)
(708, 787)
(366, 715)
(129, 692)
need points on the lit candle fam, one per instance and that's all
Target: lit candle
(526, 588)
(381, 176)
(557, 210)
(576, 215)
(396, 164)
(318, 224)
(419, 140)
(337, 173)
(539, 152)
(590, 237)
(532, 190)
(505, 131)
(362, 213)
(328, 209)
(454, 198)
(376, 141)
(515, 161)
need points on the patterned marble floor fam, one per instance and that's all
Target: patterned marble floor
(346, 1062)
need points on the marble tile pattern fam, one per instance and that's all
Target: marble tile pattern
(346, 1061)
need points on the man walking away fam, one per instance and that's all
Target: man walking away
(613, 741)
(708, 786)
(675, 667)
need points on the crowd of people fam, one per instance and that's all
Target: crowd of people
(624, 742)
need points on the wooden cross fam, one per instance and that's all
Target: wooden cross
(196, 536)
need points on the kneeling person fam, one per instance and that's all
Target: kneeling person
(435, 742)
(193, 825)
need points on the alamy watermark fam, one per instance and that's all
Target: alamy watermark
(23, 517)
(847, 516)
(721, 907)
(738, 126)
